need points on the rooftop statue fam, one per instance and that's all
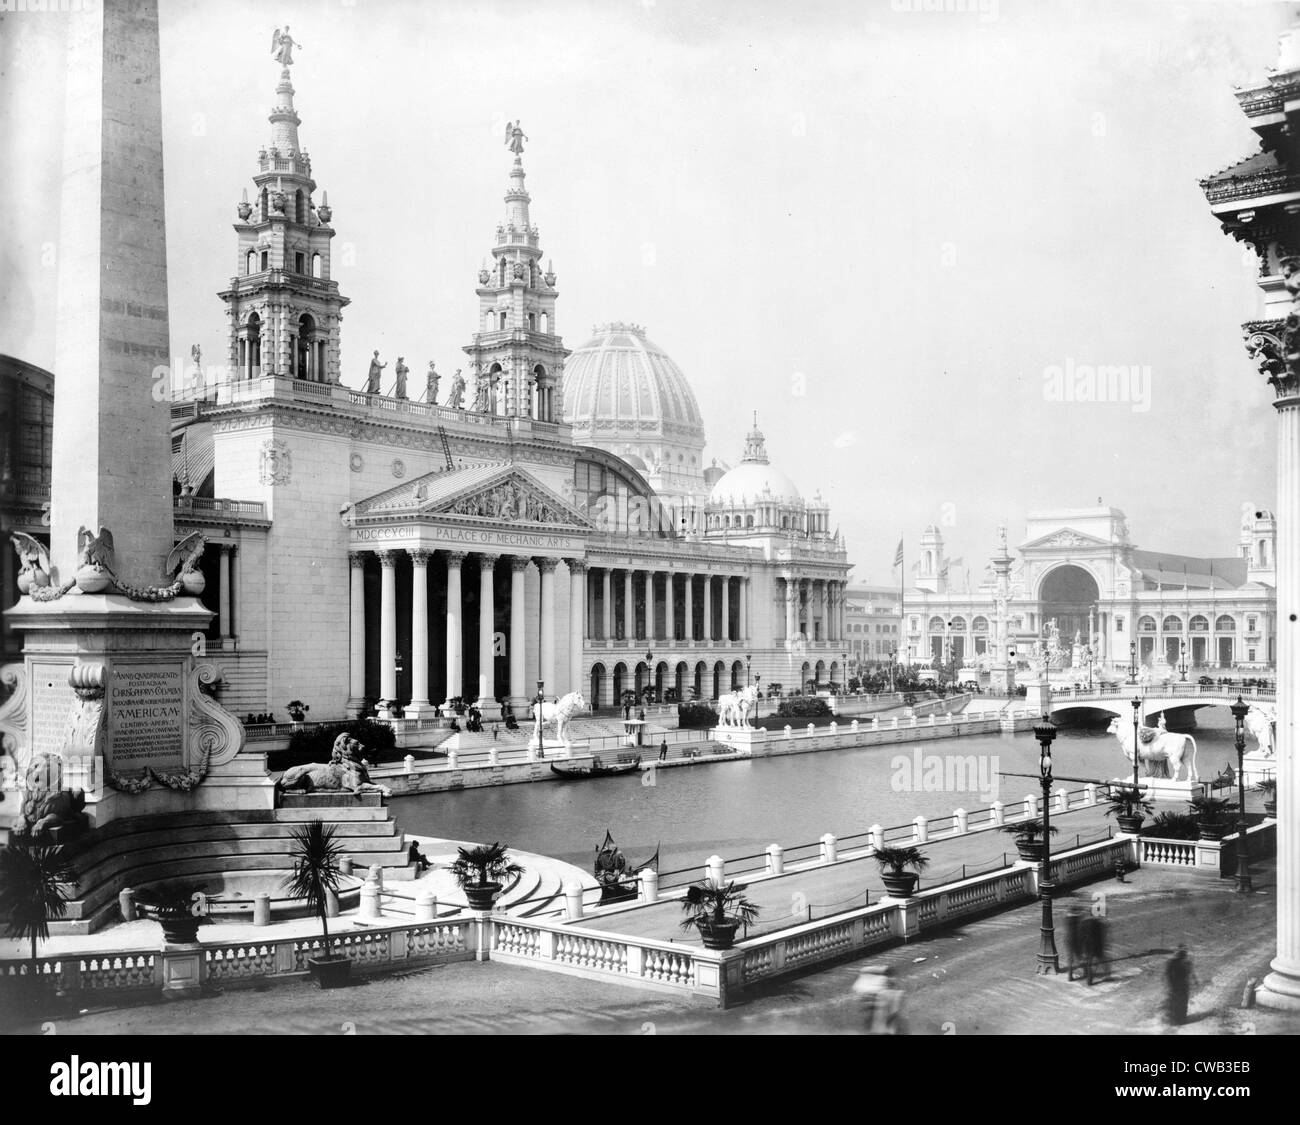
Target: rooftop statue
(282, 46)
(515, 138)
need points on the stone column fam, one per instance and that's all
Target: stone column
(791, 610)
(234, 594)
(690, 606)
(650, 605)
(1281, 988)
(629, 609)
(455, 670)
(577, 600)
(546, 655)
(419, 705)
(726, 608)
(519, 694)
(708, 607)
(387, 633)
(357, 634)
(606, 604)
(223, 594)
(487, 681)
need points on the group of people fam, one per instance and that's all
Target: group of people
(262, 717)
(1085, 944)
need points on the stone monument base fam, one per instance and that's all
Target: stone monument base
(1164, 789)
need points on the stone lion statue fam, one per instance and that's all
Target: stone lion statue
(47, 808)
(344, 771)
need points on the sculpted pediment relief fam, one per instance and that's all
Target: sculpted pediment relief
(1065, 539)
(514, 500)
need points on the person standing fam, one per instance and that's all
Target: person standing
(881, 1000)
(1073, 937)
(663, 750)
(1180, 978)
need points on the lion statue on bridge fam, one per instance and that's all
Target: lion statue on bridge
(344, 771)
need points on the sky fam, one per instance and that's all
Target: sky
(882, 228)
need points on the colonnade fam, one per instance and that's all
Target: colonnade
(670, 605)
(803, 597)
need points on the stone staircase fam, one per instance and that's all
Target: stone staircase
(140, 851)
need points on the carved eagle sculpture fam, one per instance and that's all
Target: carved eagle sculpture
(31, 554)
(95, 550)
(185, 555)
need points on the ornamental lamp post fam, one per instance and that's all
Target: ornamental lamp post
(1132, 662)
(397, 669)
(758, 697)
(1239, 710)
(649, 674)
(893, 655)
(844, 673)
(1045, 733)
(537, 717)
(749, 658)
(1137, 708)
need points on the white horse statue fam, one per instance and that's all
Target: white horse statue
(734, 707)
(1163, 756)
(1262, 722)
(560, 712)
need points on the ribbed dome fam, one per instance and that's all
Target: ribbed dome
(619, 385)
(746, 483)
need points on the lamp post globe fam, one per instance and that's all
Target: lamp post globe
(1137, 713)
(1048, 963)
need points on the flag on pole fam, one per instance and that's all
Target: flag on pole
(898, 555)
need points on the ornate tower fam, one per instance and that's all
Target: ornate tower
(930, 574)
(517, 357)
(1255, 201)
(284, 310)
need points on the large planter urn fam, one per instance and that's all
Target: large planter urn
(330, 972)
(1030, 849)
(482, 896)
(1131, 824)
(1210, 830)
(900, 884)
(718, 935)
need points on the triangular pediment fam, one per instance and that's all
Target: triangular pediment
(1066, 539)
(496, 493)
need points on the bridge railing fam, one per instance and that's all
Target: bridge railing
(1217, 692)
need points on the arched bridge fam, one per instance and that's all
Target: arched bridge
(1118, 699)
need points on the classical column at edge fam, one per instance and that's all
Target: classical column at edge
(487, 681)
(606, 603)
(577, 600)
(726, 607)
(223, 595)
(689, 623)
(791, 610)
(519, 693)
(455, 609)
(629, 609)
(649, 605)
(546, 649)
(708, 608)
(419, 705)
(387, 632)
(357, 633)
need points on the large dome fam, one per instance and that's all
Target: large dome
(620, 387)
(746, 483)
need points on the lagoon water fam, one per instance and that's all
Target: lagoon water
(738, 808)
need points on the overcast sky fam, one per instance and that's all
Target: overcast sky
(877, 227)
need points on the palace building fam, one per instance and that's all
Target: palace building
(1077, 571)
(553, 521)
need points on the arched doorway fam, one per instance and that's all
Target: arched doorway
(1069, 596)
(737, 675)
(819, 676)
(700, 669)
(683, 670)
(805, 674)
(597, 686)
(620, 683)
(661, 674)
(835, 674)
(719, 671)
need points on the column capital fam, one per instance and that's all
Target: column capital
(576, 566)
(487, 561)
(420, 556)
(357, 559)
(387, 558)
(454, 558)
(519, 563)
(546, 566)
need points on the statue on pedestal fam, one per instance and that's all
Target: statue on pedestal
(401, 370)
(431, 380)
(282, 45)
(515, 138)
(456, 397)
(372, 378)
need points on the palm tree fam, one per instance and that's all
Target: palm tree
(32, 889)
(315, 870)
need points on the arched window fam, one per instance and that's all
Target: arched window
(749, 521)
(1225, 623)
(317, 265)
(503, 320)
(250, 347)
(250, 262)
(935, 625)
(1263, 552)
(307, 352)
(1198, 624)
(1146, 624)
(546, 323)
(532, 322)
(299, 207)
(501, 271)
(1172, 624)
(980, 625)
(263, 204)
(958, 624)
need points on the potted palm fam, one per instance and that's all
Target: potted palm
(1128, 806)
(1030, 841)
(479, 871)
(33, 890)
(898, 882)
(717, 910)
(1213, 816)
(177, 907)
(297, 710)
(315, 879)
(1268, 787)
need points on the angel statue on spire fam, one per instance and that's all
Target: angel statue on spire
(515, 138)
(282, 45)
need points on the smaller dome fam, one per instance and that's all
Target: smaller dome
(636, 462)
(751, 480)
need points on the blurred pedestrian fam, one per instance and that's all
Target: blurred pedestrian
(1180, 979)
(881, 1000)
(1073, 937)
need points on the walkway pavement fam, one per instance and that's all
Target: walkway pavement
(977, 979)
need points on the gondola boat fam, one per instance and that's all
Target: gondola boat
(596, 769)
